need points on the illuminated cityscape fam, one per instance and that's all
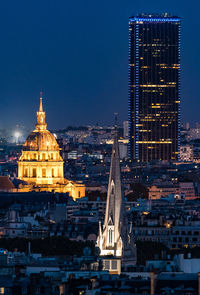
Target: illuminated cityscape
(98, 204)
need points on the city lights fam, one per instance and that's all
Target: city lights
(17, 135)
(99, 208)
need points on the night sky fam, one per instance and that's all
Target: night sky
(76, 52)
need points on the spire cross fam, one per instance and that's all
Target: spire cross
(41, 107)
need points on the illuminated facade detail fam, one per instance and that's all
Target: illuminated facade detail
(41, 165)
(115, 241)
(109, 240)
(154, 87)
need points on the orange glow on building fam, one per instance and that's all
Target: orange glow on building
(41, 165)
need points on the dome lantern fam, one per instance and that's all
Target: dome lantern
(41, 124)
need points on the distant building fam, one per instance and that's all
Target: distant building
(164, 190)
(194, 133)
(123, 150)
(73, 155)
(154, 87)
(172, 236)
(125, 129)
(41, 165)
(186, 125)
(187, 188)
(186, 153)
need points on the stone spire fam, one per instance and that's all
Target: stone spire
(114, 195)
(109, 240)
(41, 124)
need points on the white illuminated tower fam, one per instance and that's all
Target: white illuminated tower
(109, 240)
(115, 240)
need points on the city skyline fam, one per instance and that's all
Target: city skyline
(92, 203)
(45, 48)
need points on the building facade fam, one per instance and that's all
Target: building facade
(186, 153)
(156, 192)
(173, 237)
(40, 165)
(154, 87)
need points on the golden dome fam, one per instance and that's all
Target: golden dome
(40, 165)
(40, 141)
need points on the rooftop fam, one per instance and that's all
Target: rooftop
(154, 17)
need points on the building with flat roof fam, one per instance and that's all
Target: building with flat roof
(154, 87)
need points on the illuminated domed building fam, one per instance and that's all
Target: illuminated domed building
(41, 165)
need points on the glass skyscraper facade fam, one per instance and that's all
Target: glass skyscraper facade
(154, 87)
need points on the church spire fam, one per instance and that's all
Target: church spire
(41, 124)
(109, 240)
(114, 195)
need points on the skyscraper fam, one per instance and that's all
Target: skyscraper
(154, 87)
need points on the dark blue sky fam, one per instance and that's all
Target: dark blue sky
(77, 53)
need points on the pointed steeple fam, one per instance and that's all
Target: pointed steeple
(115, 238)
(114, 195)
(41, 124)
(109, 241)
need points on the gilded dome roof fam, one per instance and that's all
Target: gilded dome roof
(40, 140)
